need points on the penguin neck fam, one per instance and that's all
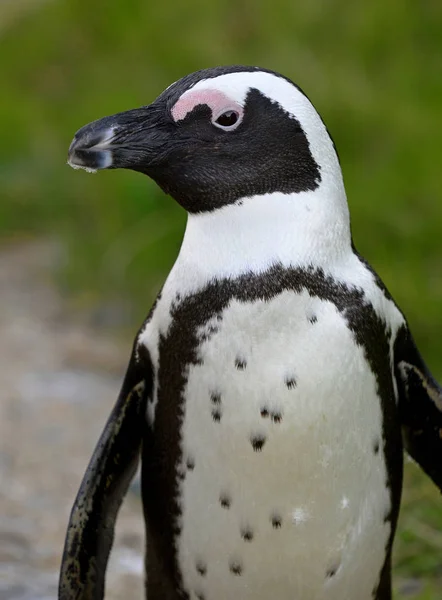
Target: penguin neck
(302, 229)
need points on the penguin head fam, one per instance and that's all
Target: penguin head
(218, 136)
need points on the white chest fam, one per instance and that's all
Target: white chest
(285, 492)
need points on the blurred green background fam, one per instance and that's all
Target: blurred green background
(373, 70)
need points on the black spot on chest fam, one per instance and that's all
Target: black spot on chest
(240, 363)
(236, 567)
(179, 349)
(276, 521)
(258, 442)
(247, 534)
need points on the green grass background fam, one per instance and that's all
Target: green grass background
(373, 70)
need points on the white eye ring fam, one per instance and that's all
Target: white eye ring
(228, 120)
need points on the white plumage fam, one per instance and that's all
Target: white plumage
(275, 371)
(317, 526)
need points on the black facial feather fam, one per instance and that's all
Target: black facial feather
(202, 166)
(206, 168)
(173, 92)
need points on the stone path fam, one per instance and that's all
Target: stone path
(58, 382)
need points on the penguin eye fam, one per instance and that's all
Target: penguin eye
(227, 120)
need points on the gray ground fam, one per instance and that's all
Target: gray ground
(58, 382)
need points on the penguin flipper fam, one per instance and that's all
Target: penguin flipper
(90, 530)
(420, 407)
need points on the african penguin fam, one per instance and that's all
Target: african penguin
(273, 384)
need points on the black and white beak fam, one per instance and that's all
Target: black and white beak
(130, 140)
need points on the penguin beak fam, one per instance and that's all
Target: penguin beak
(134, 139)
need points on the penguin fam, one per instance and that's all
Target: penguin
(275, 384)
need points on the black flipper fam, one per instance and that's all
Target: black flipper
(90, 530)
(420, 407)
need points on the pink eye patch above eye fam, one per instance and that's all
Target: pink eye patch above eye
(214, 99)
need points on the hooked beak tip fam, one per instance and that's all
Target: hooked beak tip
(91, 148)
